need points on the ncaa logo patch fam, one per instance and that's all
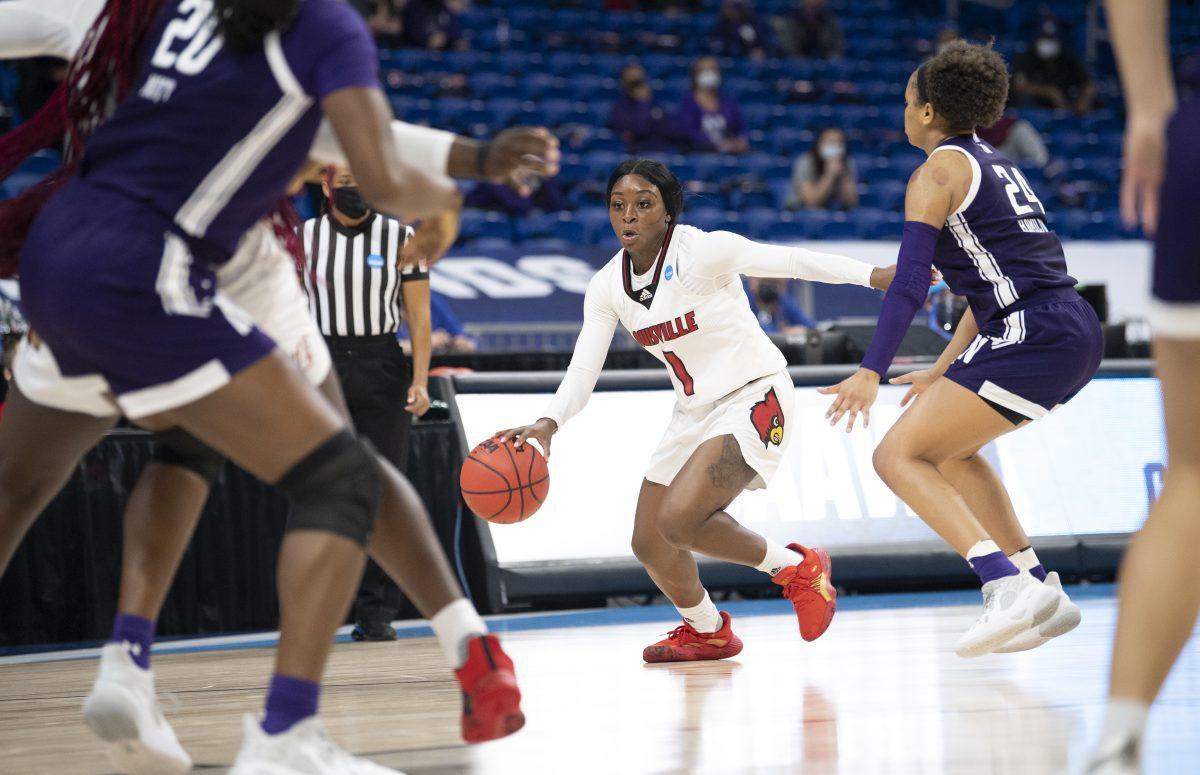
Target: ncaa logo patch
(375, 261)
(669, 272)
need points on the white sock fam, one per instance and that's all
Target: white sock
(1026, 559)
(454, 625)
(703, 617)
(982, 548)
(777, 558)
(1124, 719)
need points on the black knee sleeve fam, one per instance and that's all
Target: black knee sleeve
(177, 447)
(336, 488)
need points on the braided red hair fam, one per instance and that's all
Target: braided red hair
(98, 77)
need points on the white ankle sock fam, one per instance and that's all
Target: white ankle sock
(1026, 559)
(777, 558)
(703, 617)
(982, 548)
(1124, 719)
(453, 626)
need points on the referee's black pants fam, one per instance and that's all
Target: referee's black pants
(375, 378)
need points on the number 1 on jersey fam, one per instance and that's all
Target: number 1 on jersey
(681, 373)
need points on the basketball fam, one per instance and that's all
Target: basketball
(504, 484)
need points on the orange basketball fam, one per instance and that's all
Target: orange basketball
(503, 484)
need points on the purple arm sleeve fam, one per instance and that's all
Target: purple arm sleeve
(905, 295)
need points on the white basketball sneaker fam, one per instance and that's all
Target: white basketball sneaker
(123, 711)
(1010, 605)
(1066, 618)
(302, 750)
(1116, 756)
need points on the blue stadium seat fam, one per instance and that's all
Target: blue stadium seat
(874, 223)
(596, 226)
(884, 194)
(561, 226)
(705, 217)
(757, 221)
(786, 231)
(477, 224)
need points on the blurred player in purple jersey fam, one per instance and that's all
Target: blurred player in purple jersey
(1027, 343)
(118, 275)
(1160, 576)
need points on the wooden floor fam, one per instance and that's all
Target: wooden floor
(882, 692)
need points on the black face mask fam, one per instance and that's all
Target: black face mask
(349, 202)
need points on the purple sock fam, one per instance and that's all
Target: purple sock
(1038, 572)
(289, 700)
(990, 567)
(138, 632)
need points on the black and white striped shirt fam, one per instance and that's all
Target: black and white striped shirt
(352, 278)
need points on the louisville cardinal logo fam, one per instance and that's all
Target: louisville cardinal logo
(767, 417)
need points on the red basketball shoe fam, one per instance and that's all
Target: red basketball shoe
(809, 586)
(683, 644)
(491, 699)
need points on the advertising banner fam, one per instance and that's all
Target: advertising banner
(1092, 466)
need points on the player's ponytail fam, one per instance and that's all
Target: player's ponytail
(244, 23)
(669, 187)
(97, 78)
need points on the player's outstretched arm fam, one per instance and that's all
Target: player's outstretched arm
(1139, 33)
(599, 324)
(725, 253)
(360, 118)
(513, 156)
(934, 191)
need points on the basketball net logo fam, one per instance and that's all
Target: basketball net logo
(767, 417)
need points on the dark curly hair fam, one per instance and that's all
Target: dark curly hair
(657, 173)
(967, 84)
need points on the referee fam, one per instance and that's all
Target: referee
(359, 294)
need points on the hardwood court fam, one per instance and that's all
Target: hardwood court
(882, 692)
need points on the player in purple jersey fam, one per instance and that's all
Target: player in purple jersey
(112, 252)
(1027, 343)
(1160, 577)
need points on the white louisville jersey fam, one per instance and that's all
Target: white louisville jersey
(693, 316)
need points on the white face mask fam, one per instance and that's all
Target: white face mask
(708, 79)
(831, 151)
(1048, 48)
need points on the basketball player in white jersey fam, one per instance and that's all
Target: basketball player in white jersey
(678, 291)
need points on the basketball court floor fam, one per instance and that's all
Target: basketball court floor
(881, 692)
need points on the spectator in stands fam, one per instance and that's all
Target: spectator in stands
(1017, 139)
(386, 22)
(640, 122)
(776, 309)
(711, 119)
(825, 176)
(432, 24)
(739, 31)
(815, 31)
(545, 195)
(1049, 74)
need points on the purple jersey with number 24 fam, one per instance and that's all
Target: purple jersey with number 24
(996, 248)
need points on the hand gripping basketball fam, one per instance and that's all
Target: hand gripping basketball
(540, 431)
